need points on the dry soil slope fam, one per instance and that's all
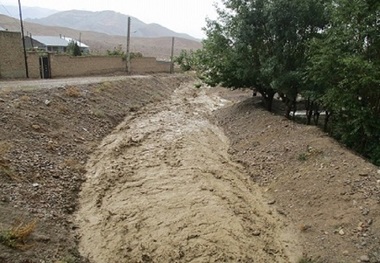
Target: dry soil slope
(328, 192)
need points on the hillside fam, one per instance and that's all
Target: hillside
(108, 22)
(99, 42)
(27, 11)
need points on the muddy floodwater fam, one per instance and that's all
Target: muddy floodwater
(162, 188)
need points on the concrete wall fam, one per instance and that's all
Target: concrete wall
(12, 64)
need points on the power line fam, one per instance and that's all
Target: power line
(6, 9)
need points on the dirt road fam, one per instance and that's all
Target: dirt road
(53, 83)
(162, 188)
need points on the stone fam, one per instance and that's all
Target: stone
(364, 258)
(341, 232)
(271, 202)
(47, 102)
(256, 233)
(36, 127)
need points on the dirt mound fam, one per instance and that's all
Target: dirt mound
(162, 188)
(328, 192)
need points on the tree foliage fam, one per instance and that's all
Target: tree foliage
(346, 62)
(73, 49)
(327, 51)
(118, 51)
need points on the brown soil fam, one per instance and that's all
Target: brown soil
(170, 173)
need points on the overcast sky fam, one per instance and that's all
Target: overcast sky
(183, 16)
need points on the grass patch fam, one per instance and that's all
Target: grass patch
(16, 236)
(5, 168)
(198, 85)
(308, 260)
(99, 113)
(310, 152)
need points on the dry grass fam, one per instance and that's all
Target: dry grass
(5, 169)
(16, 236)
(62, 108)
(310, 152)
(24, 98)
(103, 86)
(72, 92)
(99, 113)
(4, 148)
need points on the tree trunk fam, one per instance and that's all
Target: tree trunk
(316, 114)
(309, 111)
(325, 126)
(268, 99)
(269, 102)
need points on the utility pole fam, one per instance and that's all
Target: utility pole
(23, 40)
(172, 57)
(128, 46)
(31, 40)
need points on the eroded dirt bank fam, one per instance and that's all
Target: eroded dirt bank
(47, 131)
(162, 188)
(328, 192)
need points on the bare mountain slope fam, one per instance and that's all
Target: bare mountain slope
(100, 43)
(27, 11)
(108, 22)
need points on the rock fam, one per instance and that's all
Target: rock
(47, 102)
(345, 253)
(341, 232)
(36, 185)
(41, 238)
(271, 202)
(363, 174)
(365, 211)
(36, 127)
(256, 233)
(364, 258)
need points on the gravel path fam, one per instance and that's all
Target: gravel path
(53, 83)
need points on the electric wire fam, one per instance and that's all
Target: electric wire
(6, 10)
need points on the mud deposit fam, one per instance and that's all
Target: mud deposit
(162, 188)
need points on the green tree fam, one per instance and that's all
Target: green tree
(261, 44)
(73, 49)
(186, 60)
(346, 62)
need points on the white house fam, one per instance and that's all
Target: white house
(53, 44)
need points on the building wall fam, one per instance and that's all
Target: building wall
(149, 65)
(68, 66)
(34, 65)
(12, 64)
